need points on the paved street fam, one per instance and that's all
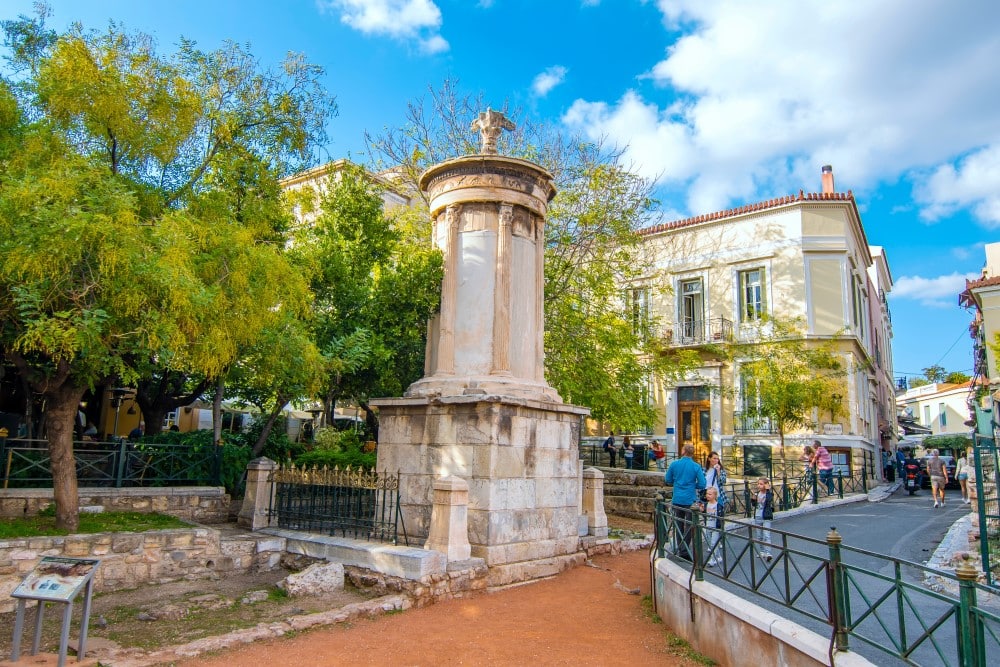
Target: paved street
(903, 526)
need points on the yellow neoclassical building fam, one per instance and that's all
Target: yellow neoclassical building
(720, 277)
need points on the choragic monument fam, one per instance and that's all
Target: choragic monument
(483, 411)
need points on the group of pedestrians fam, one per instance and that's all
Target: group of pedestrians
(628, 452)
(704, 489)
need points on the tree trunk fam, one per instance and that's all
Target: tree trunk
(265, 431)
(371, 419)
(60, 417)
(220, 387)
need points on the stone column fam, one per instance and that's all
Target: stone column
(255, 513)
(449, 530)
(445, 353)
(501, 295)
(539, 230)
(593, 502)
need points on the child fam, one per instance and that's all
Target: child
(763, 514)
(713, 525)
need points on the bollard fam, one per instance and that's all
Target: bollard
(971, 647)
(814, 478)
(837, 591)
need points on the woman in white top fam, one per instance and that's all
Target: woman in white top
(962, 473)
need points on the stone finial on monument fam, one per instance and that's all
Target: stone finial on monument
(490, 124)
(593, 502)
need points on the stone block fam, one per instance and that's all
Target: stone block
(317, 579)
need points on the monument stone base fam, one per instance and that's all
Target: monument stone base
(520, 458)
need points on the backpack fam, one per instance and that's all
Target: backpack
(610, 441)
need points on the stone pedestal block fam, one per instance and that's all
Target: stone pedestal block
(255, 513)
(519, 457)
(449, 531)
(593, 502)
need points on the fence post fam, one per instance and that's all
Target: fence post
(699, 566)
(746, 498)
(256, 511)
(122, 462)
(786, 501)
(971, 649)
(864, 483)
(837, 592)
(661, 527)
(840, 483)
(814, 477)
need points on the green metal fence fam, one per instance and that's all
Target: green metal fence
(120, 463)
(988, 506)
(861, 597)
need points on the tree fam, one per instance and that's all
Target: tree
(597, 354)
(957, 377)
(375, 285)
(783, 376)
(122, 245)
(934, 373)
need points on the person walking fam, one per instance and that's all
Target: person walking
(939, 476)
(609, 447)
(823, 463)
(688, 479)
(715, 477)
(763, 513)
(659, 455)
(962, 475)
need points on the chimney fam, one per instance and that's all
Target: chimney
(828, 180)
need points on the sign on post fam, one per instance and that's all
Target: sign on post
(55, 579)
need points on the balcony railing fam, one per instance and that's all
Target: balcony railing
(699, 332)
(752, 425)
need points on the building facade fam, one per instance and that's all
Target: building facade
(723, 276)
(982, 298)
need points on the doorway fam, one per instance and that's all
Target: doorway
(694, 418)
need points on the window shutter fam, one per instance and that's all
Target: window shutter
(763, 293)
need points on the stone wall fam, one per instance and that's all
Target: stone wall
(203, 504)
(130, 560)
(632, 493)
(726, 628)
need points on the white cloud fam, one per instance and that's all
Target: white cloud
(418, 20)
(974, 182)
(548, 80)
(753, 98)
(941, 291)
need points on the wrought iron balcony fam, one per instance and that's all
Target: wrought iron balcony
(752, 425)
(699, 332)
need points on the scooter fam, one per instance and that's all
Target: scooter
(911, 477)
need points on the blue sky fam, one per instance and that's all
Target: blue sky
(723, 103)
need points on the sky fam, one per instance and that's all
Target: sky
(721, 103)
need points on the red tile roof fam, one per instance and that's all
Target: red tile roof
(751, 208)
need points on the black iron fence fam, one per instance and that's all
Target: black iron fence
(119, 463)
(860, 596)
(355, 503)
(988, 506)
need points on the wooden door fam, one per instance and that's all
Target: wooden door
(695, 420)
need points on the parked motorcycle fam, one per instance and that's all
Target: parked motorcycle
(911, 477)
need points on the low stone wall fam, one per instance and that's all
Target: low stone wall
(203, 504)
(728, 629)
(130, 560)
(632, 493)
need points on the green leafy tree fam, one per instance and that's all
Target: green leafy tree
(957, 377)
(121, 245)
(597, 353)
(784, 376)
(375, 287)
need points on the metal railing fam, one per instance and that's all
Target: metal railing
(592, 452)
(699, 331)
(881, 602)
(119, 463)
(361, 504)
(988, 506)
(744, 424)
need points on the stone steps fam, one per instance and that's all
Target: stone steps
(632, 493)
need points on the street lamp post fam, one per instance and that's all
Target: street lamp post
(118, 395)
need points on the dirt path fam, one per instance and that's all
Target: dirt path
(585, 616)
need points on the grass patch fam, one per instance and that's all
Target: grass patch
(276, 594)
(677, 646)
(103, 522)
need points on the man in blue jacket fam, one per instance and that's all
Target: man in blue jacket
(688, 479)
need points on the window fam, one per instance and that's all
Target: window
(942, 415)
(841, 461)
(637, 305)
(692, 309)
(752, 304)
(927, 415)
